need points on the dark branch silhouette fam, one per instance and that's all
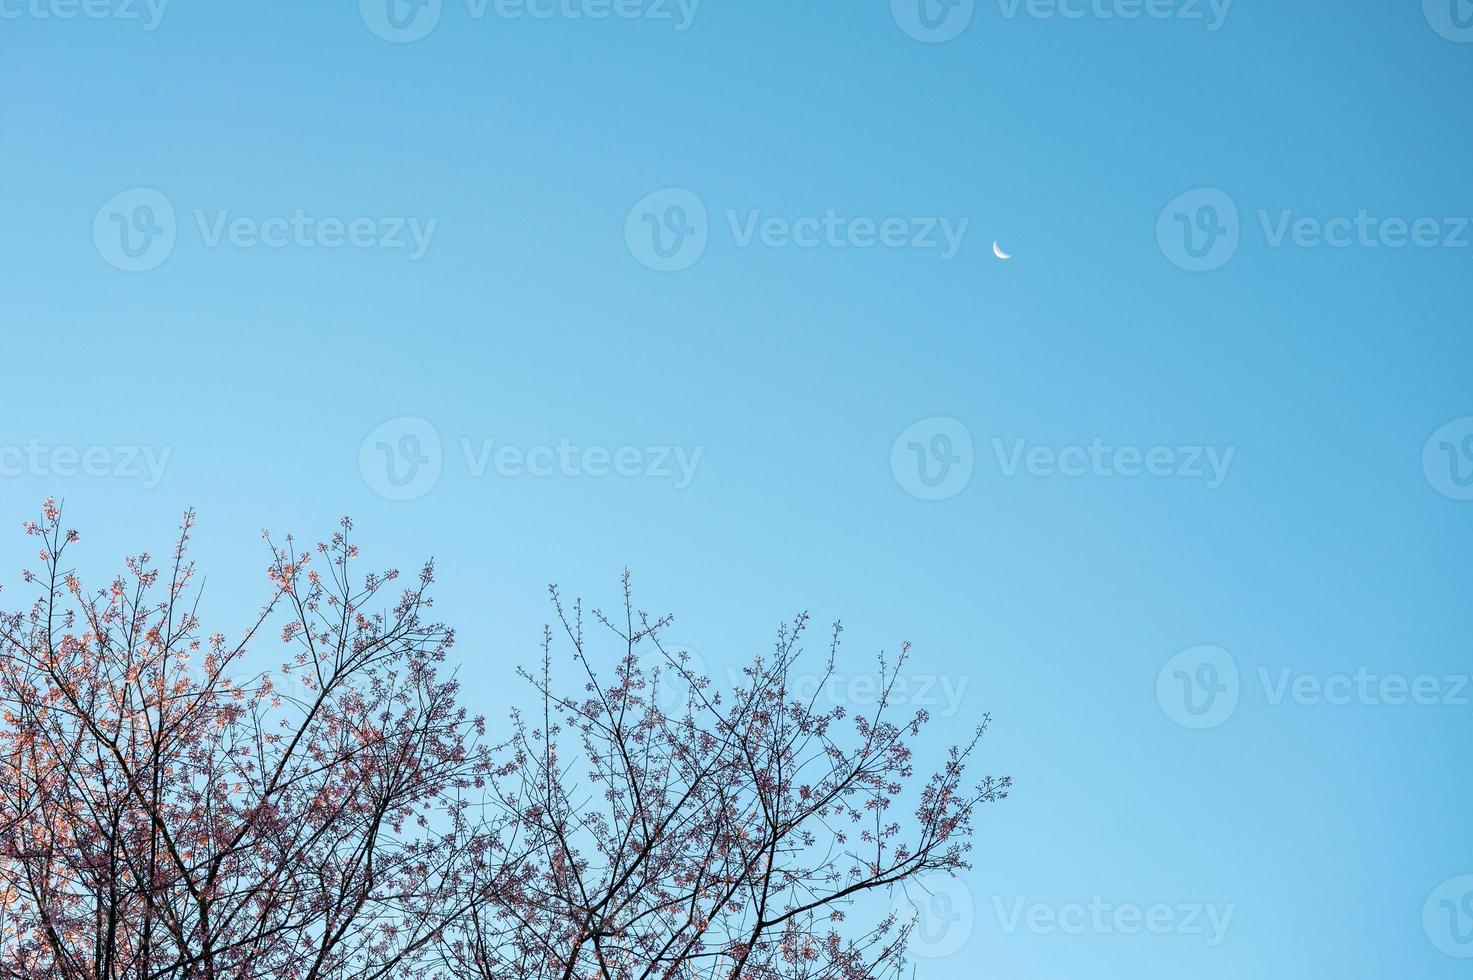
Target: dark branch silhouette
(167, 814)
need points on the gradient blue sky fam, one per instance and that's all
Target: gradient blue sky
(1052, 601)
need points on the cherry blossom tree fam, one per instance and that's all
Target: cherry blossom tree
(728, 838)
(164, 817)
(168, 811)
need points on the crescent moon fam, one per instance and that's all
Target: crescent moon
(997, 250)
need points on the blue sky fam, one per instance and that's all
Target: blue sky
(1244, 450)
